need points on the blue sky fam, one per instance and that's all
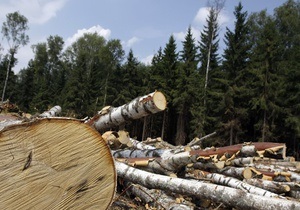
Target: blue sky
(141, 25)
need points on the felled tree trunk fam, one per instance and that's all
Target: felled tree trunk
(140, 107)
(220, 194)
(55, 164)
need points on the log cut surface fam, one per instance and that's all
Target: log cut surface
(55, 164)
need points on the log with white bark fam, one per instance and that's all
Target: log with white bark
(157, 199)
(276, 187)
(53, 112)
(228, 171)
(137, 108)
(170, 161)
(219, 194)
(55, 164)
(140, 145)
(235, 183)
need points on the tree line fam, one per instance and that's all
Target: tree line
(250, 92)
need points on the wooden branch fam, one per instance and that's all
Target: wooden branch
(216, 193)
(196, 141)
(137, 108)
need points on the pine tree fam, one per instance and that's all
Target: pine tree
(129, 80)
(264, 66)
(209, 65)
(236, 56)
(42, 78)
(185, 94)
(170, 74)
(287, 19)
(26, 88)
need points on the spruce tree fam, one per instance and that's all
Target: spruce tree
(170, 74)
(209, 68)
(185, 94)
(266, 84)
(287, 19)
(236, 56)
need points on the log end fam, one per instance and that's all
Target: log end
(55, 164)
(159, 100)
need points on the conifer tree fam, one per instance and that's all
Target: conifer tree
(236, 56)
(185, 94)
(264, 68)
(129, 80)
(287, 19)
(209, 65)
(169, 76)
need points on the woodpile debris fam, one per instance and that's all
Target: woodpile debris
(68, 160)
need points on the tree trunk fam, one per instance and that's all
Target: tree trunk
(220, 194)
(7, 76)
(55, 163)
(180, 131)
(137, 108)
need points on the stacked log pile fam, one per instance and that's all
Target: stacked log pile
(157, 175)
(243, 176)
(62, 163)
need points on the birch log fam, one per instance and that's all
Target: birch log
(55, 164)
(137, 108)
(53, 112)
(219, 194)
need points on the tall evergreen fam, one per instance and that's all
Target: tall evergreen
(267, 82)
(236, 56)
(287, 18)
(129, 80)
(169, 75)
(185, 94)
(112, 56)
(42, 78)
(83, 60)
(26, 88)
(209, 68)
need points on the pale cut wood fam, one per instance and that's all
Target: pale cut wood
(55, 164)
(137, 108)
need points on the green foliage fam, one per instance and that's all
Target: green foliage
(14, 31)
(234, 66)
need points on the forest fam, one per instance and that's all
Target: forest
(249, 92)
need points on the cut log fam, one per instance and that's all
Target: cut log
(55, 164)
(220, 194)
(272, 186)
(53, 112)
(137, 108)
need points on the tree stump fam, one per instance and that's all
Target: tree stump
(55, 163)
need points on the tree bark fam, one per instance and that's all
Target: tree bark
(137, 108)
(55, 163)
(220, 194)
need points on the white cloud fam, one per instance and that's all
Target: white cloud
(202, 14)
(36, 11)
(94, 29)
(179, 36)
(132, 41)
(147, 60)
